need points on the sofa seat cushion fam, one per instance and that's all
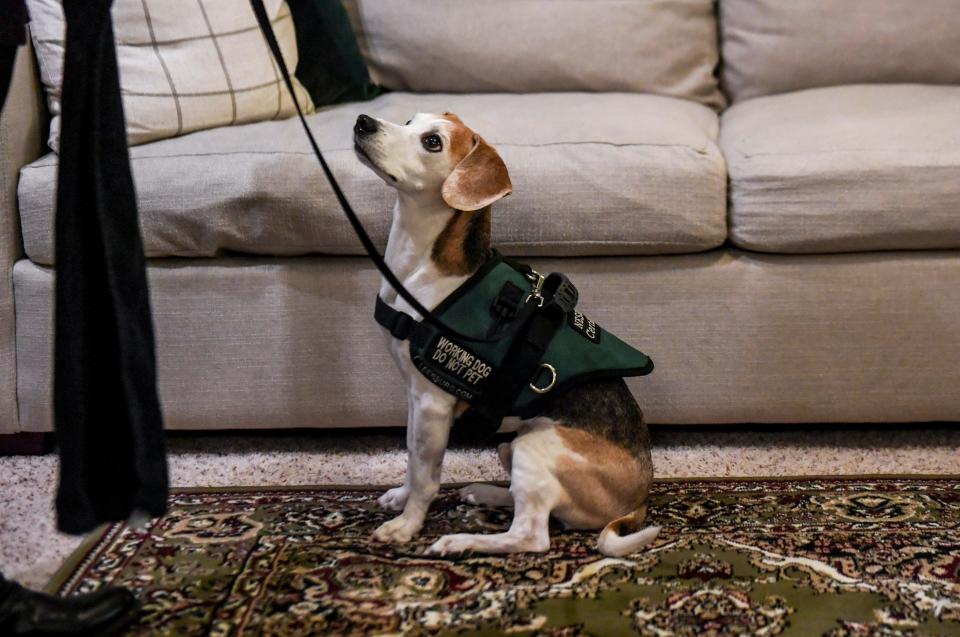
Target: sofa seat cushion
(593, 174)
(845, 169)
(737, 338)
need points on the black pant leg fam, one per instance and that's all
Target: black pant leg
(13, 33)
(8, 55)
(6, 587)
(106, 410)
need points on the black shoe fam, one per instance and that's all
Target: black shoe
(24, 612)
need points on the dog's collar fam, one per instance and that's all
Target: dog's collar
(536, 344)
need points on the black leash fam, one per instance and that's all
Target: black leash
(261, 14)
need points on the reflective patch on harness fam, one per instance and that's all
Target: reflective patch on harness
(584, 326)
(453, 367)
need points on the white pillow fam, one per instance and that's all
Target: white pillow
(185, 65)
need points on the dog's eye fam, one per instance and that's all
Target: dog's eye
(408, 122)
(432, 143)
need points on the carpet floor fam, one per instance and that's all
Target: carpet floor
(833, 557)
(31, 549)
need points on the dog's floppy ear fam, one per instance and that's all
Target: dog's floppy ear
(480, 179)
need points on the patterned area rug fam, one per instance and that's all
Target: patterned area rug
(735, 557)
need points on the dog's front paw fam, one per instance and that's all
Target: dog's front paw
(394, 499)
(399, 530)
(451, 545)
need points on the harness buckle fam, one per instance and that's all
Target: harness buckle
(401, 326)
(565, 294)
(507, 304)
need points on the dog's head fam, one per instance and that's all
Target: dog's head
(433, 155)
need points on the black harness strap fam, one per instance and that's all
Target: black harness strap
(519, 367)
(398, 323)
(523, 362)
(401, 325)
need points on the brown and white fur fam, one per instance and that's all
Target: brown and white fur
(586, 460)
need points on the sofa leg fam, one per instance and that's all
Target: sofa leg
(25, 444)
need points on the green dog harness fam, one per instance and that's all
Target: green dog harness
(534, 344)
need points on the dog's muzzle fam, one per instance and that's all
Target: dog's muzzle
(365, 125)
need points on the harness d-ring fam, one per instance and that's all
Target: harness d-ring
(553, 381)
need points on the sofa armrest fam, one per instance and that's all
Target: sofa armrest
(21, 141)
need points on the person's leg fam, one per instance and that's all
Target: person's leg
(13, 33)
(8, 55)
(5, 588)
(23, 611)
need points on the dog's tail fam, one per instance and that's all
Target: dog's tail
(613, 544)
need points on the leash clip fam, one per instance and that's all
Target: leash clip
(537, 292)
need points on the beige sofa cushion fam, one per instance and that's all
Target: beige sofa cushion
(774, 46)
(667, 47)
(845, 169)
(737, 337)
(593, 174)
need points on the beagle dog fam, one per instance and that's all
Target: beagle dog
(586, 459)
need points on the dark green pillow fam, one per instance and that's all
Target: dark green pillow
(330, 65)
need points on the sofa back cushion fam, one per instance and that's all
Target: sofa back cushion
(776, 46)
(667, 47)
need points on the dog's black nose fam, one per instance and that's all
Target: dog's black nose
(365, 125)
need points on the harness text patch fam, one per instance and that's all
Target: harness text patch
(455, 368)
(587, 328)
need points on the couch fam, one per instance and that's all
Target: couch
(784, 243)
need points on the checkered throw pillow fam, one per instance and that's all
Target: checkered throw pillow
(185, 65)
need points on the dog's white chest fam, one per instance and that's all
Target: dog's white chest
(430, 287)
(400, 352)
